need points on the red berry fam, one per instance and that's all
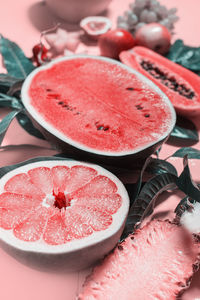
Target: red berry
(155, 37)
(113, 42)
(39, 54)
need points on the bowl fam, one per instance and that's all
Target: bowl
(74, 11)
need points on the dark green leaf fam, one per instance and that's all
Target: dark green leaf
(16, 63)
(186, 184)
(183, 133)
(9, 101)
(190, 152)
(5, 123)
(6, 82)
(27, 124)
(188, 57)
(184, 204)
(185, 129)
(139, 181)
(159, 166)
(15, 89)
(146, 199)
(7, 169)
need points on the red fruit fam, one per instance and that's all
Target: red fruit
(114, 41)
(95, 116)
(154, 36)
(180, 85)
(40, 54)
(156, 262)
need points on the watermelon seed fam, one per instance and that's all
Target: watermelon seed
(139, 107)
(130, 88)
(147, 115)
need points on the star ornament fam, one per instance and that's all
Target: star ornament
(62, 40)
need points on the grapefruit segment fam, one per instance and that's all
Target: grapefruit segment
(40, 215)
(21, 184)
(106, 202)
(99, 185)
(18, 202)
(10, 217)
(41, 178)
(60, 175)
(31, 228)
(76, 225)
(79, 176)
(55, 232)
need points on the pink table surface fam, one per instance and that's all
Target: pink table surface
(22, 21)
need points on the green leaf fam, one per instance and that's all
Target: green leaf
(184, 204)
(188, 57)
(6, 82)
(160, 166)
(16, 63)
(190, 152)
(146, 200)
(5, 123)
(185, 129)
(6, 169)
(9, 101)
(186, 184)
(139, 181)
(27, 124)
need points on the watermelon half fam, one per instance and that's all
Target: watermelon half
(97, 108)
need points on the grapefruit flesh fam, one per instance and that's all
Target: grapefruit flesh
(154, 263)
(59, 205)
(98, 105)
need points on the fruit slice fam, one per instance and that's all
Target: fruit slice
(98, 108)
(179, 84)
(95, 26)
(154, 263)
(62, 209)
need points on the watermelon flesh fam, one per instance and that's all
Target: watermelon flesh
(154, 263)
(98, 105)
(58, 204)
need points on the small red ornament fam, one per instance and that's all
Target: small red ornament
(113, 42)
(40, 54)
(155, 37)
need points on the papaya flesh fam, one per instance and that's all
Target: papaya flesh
(180, 84)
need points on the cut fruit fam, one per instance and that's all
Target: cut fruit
(62, 209)
(115, 116)
(179, 84)
(94, 26)
(156, 262)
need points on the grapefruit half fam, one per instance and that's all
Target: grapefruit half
(61, 213)
(99, 109)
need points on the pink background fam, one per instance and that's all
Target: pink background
(22, 21)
